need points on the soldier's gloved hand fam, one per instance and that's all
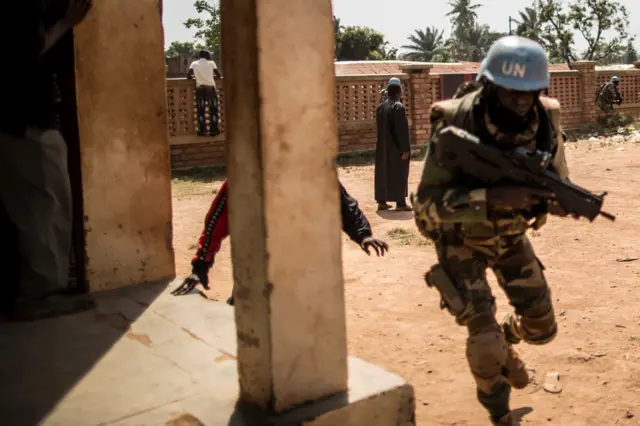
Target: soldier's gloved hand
(378, 245)
(190, 283)
(516, 197)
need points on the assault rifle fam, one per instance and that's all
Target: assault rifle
(460, 150)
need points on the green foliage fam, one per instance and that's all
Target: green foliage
(426, 46)
(530, 25)
(181, 48)
(631, 54)
(603, 24)
(360, 44)
(470, 40)
(463, 16)
(207, 26)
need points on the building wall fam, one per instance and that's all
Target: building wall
(357, 97)
(124, 144)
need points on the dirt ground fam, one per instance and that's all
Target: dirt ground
(596, 295)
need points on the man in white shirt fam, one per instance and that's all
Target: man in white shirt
(205, 72)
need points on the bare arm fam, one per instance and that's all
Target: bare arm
(190, 74)
(216, 73)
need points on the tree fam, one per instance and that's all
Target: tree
(468, 38)
(463, 15)
(337, 32)
(631, 54)
(602, 24)
(479, 39)
(360, 44)
(426, 46)
(530, 25)
(181, 48)
(207, 26)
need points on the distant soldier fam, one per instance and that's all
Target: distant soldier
(608, 94)
(476, 226)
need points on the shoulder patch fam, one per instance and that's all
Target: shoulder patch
(550, 104)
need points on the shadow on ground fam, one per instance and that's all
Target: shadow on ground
(395, 215)
(519, 413)
(42, 361)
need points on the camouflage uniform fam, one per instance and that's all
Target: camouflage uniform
(608, 96)
(470, 236)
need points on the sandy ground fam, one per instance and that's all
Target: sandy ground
(597, 352)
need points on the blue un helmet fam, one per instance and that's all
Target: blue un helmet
(516, 63)
(394, 82)
(615, 79)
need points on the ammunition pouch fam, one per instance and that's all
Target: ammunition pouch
(450, 297)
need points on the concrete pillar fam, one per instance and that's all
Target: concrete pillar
(420, 102)
(284, 213)
(122, 121)
(588, 84)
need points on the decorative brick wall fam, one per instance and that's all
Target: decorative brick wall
(419, 103)
(358, 96)
(187, 148)
(566, 87)
(356, 101)
(587, 71)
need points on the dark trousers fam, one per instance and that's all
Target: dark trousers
(206, 96)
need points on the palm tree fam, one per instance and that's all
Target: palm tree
(478, 40)
(426, 46)
(530, 25)
(463, 14)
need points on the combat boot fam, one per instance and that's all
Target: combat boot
(510, 329)
(515, 369)
(506, 420)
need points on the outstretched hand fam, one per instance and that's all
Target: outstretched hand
(378, 245)
(189, 284)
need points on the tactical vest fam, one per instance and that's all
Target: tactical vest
(468, 114)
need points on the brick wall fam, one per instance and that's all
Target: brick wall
(358, 96)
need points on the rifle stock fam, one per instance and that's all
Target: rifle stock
(459, 150)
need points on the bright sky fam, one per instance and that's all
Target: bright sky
(395, 19)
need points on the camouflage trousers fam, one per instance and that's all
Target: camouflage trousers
(492, 361)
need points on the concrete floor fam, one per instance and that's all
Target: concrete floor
(144, 357)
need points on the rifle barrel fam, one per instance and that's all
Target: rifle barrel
(608, 216)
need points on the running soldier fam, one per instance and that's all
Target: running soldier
(609, 94)
(475, 227)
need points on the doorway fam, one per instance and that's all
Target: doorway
(62, 58)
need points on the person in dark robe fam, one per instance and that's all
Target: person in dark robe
(392, 150)
(216, 229)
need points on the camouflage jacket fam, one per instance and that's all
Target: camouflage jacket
(609, 95)
(447, 202)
